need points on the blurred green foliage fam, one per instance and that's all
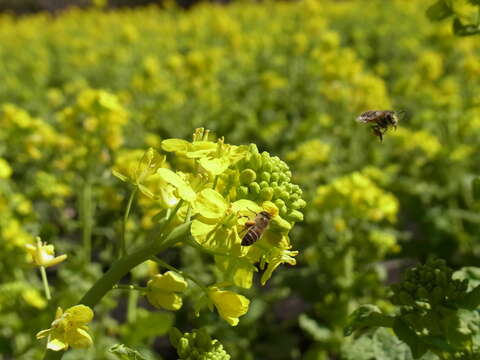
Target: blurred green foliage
(89, 90)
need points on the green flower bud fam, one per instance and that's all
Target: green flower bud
(294, 197)
(279, 202)
(298, 204)
(256, 161)
(283, 210)
(266, 161)
(294, 216)
(263, 184)
(247, 176)
(254, 188)
(242, 191)
(285, 196)
(265, 176)
(283, 178)
(280, 225)
(252, 148)
(275, 176)
(266, 194)
(277, 191)
(183, 347)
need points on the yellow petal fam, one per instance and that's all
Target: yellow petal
(43, 333)
(80, 338)
(56, 345)
(230, 305)
(165, 300)
(79, 314)
(55, 260)
(168, 282)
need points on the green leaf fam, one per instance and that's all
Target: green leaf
(148, 324)
(125, 353)
(409, 337)
(380, 344)
(367, 316)
(317, 332)
(460, 29)
(439, 11)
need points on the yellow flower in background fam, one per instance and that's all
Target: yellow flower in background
(162, 290)
(5, 169)
(69, 329)
(44, 254)
(230, 305)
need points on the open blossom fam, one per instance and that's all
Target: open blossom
(230, 305)
(162, 290)
(69, 329)
(44, 254)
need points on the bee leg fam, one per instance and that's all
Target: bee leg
(249, 223)
(377, 131)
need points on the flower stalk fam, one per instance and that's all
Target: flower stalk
(121, 267)
(45, 282)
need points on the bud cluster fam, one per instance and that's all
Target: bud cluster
(267, 178)
(429, 285)
(197, 345)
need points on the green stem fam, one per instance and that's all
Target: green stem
(45, 282)
(132, 306)
(184, 274)
(87, 218)
(121, 267)
(123, 245)
(172, 214)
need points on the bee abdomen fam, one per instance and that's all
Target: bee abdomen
(251, 236)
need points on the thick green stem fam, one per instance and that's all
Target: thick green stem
(121, 267)
(86, 209)
(123, 246)
(45, 282)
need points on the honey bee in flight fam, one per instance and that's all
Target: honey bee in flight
(382, 120)
(256, 227)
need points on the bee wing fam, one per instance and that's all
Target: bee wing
(368, 116)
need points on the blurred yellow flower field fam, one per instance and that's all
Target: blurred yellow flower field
(99, 105)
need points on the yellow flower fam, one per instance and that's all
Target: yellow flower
(44, 254)
(230, 305)
(5, 169)
(69, 329)
(162, 290)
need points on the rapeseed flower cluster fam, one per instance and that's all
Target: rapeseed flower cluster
(219, 189)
